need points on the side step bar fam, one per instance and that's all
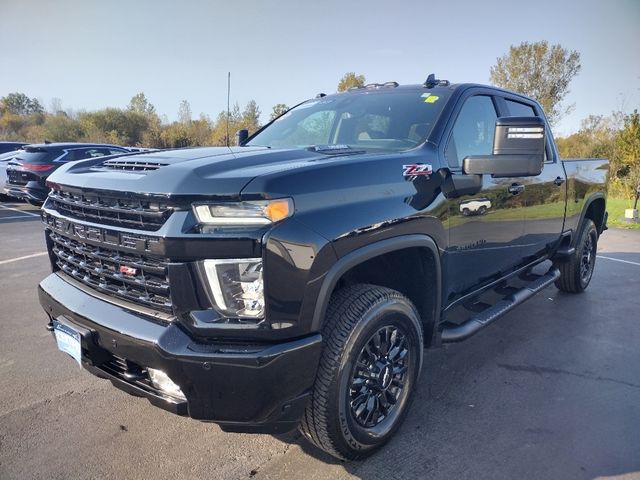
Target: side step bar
(456, 333)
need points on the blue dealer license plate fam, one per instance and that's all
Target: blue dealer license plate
(68, 340)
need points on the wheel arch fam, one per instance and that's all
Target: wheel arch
(595, 210)
(422, 283)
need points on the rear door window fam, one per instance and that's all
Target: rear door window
(517, 109)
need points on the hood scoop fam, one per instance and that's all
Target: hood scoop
(127, 165)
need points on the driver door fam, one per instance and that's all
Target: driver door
(485, 229)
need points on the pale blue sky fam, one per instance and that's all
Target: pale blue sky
(94, 54)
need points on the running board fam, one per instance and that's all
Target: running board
(456, 333)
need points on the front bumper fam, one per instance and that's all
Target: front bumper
(244, 387)
(31, 191)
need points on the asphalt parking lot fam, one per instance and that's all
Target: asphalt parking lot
(552, 391)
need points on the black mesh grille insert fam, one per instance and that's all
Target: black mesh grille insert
(138, 279)
(141, 214)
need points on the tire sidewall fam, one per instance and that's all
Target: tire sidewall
(589, 231)
(395, 312)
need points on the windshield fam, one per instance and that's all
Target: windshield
(390, 121)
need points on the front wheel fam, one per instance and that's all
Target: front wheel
(576, 271)
(372, 355)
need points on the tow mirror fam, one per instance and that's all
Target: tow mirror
(518, 149)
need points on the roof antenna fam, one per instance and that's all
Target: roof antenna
(432, 81)
(228, 109)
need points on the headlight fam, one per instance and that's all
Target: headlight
(237, 286)
(261, 212)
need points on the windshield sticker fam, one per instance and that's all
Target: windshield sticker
(429, 98)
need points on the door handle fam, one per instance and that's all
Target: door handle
(558, 181)
(516, 189)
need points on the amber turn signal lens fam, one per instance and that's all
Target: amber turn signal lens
(278, 210)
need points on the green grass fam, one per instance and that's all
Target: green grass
(616, 207)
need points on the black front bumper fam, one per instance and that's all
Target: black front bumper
(243, 387)
(31, 191)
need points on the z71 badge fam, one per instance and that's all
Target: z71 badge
(417, 169)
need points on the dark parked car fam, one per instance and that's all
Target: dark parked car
(28, 171)
(10, 146)
(298, 278)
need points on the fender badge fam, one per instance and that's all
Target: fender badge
(129, 271)
(417, 169)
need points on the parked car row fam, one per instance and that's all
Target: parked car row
(25, 168)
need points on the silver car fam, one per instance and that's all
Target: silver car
(4, 160)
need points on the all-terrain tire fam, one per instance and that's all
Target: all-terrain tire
(576, 271)
(363, 322)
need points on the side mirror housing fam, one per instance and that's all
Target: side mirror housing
(518, 149)
(241, 137)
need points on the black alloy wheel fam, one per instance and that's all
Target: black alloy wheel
(379, 376)
(370, 362)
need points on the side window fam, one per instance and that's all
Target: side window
(473, 131)
(517, 109)
(114, 151)
(96, 152)
(73, 155)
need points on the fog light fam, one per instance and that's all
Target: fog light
(237, 286)
(162, 382)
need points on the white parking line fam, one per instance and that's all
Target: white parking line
(2, 262)
(621, 261)
(12, 217)
(20, 211)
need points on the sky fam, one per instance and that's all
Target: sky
(94, 54)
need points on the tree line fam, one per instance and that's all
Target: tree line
(139, 125)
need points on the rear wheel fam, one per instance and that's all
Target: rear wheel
(372, 354)
(576, 272)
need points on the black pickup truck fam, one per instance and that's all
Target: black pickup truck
(295, 279)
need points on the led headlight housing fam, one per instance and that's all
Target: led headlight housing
(237, 287)
(257, 213)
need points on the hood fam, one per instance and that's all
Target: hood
(212, 171)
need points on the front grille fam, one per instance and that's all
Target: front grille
(140, 214)
(138, 279)
(132, 165)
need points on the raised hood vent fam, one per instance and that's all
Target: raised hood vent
(132, 165)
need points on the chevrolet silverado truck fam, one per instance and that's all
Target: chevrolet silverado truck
(296, 278)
